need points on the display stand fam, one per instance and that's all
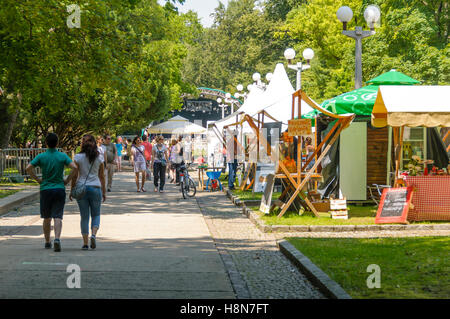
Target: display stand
(296, 182)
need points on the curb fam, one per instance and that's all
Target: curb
(254, 217)
(328, 286)
(18, 199)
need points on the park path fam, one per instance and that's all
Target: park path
(150, 245)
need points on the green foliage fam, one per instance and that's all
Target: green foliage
(412, 37)
(120, 70)
(240, 42)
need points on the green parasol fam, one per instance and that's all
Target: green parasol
(361, 101)
(393, 77)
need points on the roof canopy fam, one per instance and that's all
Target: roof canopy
(277, 99)
(177, 125)
(412, 106)
(393, 77)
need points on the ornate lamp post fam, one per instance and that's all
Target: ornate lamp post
(372, 16)
(308, 54)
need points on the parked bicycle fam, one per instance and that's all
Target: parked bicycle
(187, 184)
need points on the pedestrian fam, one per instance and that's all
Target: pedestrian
(90, 173)
(148, 154)
(139, 163)
(231, 159)
(52, 187)
(119, 147)
(111, 155)
(179, 159)
(172, 160)
(101, 149)
(160, 157)
(129, 144)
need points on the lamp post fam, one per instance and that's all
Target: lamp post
(372, 16)
(308, 54)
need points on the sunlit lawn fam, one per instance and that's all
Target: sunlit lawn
(6, 192)
(415, 267)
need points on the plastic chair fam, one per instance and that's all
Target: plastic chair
(212, 176)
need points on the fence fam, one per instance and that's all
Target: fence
(14, 162)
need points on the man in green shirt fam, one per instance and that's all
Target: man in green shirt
(110, 155)
(52, 187)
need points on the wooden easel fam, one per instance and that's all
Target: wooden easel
(298, 180)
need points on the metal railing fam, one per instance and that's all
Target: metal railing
(14, 162)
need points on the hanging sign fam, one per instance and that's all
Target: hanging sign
(299, 127)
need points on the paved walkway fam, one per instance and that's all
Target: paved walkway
(149, 246)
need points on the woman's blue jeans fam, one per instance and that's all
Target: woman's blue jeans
(90, 206)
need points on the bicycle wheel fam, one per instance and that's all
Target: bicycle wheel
(183, 189)
(190, 188)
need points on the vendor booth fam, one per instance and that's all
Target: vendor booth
(180, 126)
(362, 156)
(406, 109)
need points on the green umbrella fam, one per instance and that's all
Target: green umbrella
(359, 101)
(393, 77)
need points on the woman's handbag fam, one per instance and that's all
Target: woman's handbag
(80, 189)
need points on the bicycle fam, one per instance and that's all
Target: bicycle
(187, 184)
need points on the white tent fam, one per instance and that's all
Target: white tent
(177, 125)
(251, 103)
(400, 105)
(278, 98)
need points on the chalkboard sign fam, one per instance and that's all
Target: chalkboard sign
(266, 199)
(394, 205)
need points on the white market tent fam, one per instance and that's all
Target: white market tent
(278, 98)
(251, 103)
(177, 125)
(399, 105)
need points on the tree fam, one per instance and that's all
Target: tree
(120, 69)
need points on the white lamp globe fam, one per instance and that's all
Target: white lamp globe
(344, 14)
(219, 100)
(240, 87)
(249, 87)
(269, 76)
(289, 54)
(228, 95)
(372, 15)
(308, 54)
(256, 77)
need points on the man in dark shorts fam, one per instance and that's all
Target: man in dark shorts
(52, 187)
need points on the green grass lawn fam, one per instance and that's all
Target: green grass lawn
(6, 192)
(357, 215)
(416, 267)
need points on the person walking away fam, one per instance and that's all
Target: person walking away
(160, 157)
(101, 149)
(148, 153)
(138, 160)
(129, 144)
(90, 173)
(179, 159)
(52, 187)
(111, 154)
(119, 148)
(231, 160)
(172, 160)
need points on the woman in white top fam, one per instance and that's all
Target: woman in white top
(91, 173)
(139, 162)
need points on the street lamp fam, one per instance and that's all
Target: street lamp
(308, 54)
(372, 16)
